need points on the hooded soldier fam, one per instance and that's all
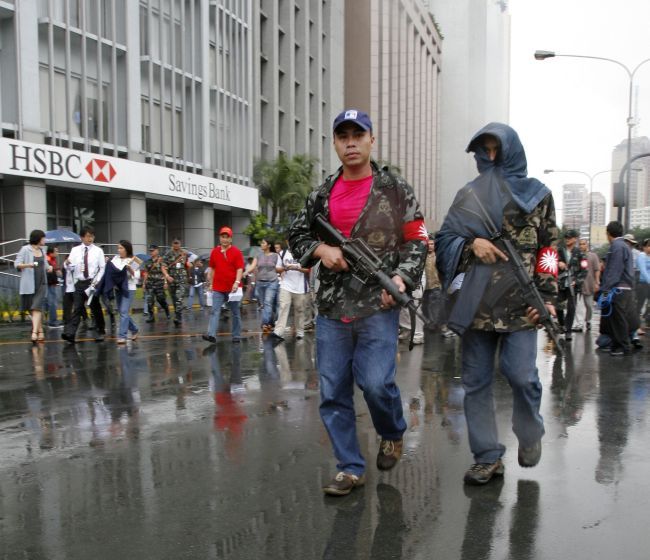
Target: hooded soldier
(487, 308)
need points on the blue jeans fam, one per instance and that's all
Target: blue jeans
(52, 303)
(517, 363)
(218, 299)
(266, 291)
(123, 307)
(190, 299)
(364, 352)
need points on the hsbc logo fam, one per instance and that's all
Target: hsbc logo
(100, 170)
(50, 162)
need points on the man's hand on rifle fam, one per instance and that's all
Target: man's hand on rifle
(486, 251)
(386, 299)
(533, 314)
(331, 257)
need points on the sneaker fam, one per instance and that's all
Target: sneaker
(576, 329)
(418, 339)
(55, 326)
(568, 337)
(389, 453)
(448, 333)
(343, 483)
(134, 336)
(618, 352)
(300, 335)
(636, 344)
(482, 473)
(121, 341)
(208, 338)
(530, 456)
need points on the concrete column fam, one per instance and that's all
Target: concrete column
(133, 80)
(198, 231)
(28, 79)
(128, 212)
(240, 221)
(24, 207)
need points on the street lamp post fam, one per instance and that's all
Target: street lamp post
(591, 189)
(543, 55)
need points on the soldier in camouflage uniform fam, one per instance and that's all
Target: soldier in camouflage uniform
(499, 314)
(357, 324)
(571, 275)
(154, 284)
(175, 272)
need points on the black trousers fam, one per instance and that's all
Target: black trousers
(78, 302)
(566, 320)
(621, 321)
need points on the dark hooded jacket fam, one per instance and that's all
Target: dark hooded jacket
(523, 209)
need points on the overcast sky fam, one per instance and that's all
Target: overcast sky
(570, 112)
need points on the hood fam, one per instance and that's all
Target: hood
(526, 192)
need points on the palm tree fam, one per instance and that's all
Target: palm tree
(284, 183)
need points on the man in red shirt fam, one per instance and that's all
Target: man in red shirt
(223, 277)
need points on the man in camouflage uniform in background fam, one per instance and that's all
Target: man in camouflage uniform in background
(153, 284)
(175, 271)
(572, 270)
(497, 316)
(357, 325)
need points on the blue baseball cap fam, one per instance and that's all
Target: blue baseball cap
(352, 115)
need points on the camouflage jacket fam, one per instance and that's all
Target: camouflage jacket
(576, 271)
(505, 311)
(171, 260)
(154, 274)
(386, 223)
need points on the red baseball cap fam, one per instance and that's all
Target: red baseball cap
(226, 229)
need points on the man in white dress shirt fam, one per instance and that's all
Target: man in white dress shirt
(86, 263)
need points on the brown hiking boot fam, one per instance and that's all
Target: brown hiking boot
(343, 483)
(389, 453)
(482, 473)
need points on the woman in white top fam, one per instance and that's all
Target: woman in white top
(33, 267)
(125, 261)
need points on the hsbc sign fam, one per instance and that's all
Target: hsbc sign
(61, 164)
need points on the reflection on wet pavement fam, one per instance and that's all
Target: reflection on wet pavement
(170, 448)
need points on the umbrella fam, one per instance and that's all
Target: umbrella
(61, 236)
(204, 257)
(143, 257)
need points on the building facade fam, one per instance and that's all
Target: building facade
(598, 209)
(149, 102)
(298, 68)
(475, 85)
(639, 191)
(392, 69)
(575, 206)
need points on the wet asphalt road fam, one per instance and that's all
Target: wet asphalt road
(170, 449)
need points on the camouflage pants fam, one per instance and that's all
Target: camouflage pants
(153, 294)
(177, 293)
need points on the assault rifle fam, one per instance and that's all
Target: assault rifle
(526, 284)
(364, 263)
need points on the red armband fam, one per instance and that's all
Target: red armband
(415, 230)
(547, 261)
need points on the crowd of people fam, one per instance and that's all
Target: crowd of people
(461, 278)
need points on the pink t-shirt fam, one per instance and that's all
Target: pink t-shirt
(347, 200)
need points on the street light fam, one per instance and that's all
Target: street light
(591, 188)
(543, 55)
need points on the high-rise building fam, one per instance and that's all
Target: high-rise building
(475, 84)
(135, 117)
(298, 46)
(575, 206)
(392, 69)
(598, 209)
(639, 191)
